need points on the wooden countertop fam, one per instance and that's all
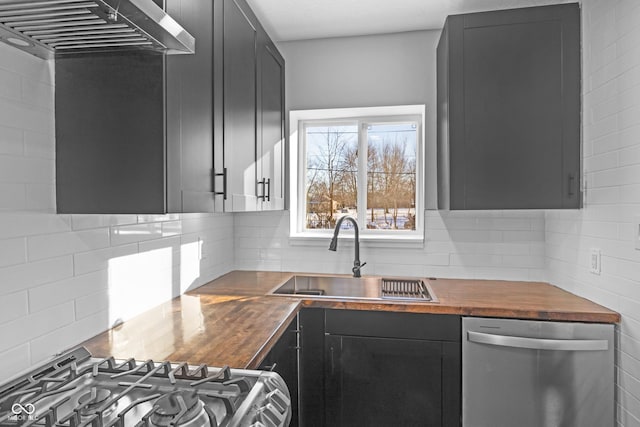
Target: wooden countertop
(232, 321)
(216, 330)
(490, 298)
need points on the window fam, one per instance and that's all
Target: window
(366, 163)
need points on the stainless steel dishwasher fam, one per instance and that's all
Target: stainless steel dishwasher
(537, 374)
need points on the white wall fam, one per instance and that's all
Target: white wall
(392, 69)
(65, 278)
(611, 162)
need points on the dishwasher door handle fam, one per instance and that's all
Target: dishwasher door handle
(537, 343)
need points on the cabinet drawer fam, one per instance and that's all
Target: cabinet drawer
(440, 327)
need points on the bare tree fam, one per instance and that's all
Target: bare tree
(398, 172)
(331, 166)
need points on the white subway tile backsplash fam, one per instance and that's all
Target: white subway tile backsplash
(41, 197)
(13, 196)
(86, 262)
(629, 137)
(68, 336)
(93, 303)
(39, 95)
(10, 85)
(55, 293)
(84, 222)
(12, 251)
(11, 141)
(630, 156)
(13, 306)
(14, 333)
(123, 234)
(171, 228)
(17, 224)
(40, 145)
(456, 243)
(26, 169)
(58, 244)
(24, 276)
(14, 361)
(15, 114)
(167, 242)
(601, 162)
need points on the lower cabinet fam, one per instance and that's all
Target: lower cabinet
(283, 359)
(380, 369)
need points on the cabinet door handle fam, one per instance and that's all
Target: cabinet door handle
(571, 181)
(333, 365)
(224, 183)
(537, 343)
(268, 189)
(263, 182)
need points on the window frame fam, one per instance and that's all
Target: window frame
(300, 119)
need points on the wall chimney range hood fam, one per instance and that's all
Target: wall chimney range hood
(51, 28)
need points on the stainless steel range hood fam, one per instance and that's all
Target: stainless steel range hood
(50, 28)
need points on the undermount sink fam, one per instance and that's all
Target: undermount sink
(357, 287)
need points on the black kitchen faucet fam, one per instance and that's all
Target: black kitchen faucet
(334, 243)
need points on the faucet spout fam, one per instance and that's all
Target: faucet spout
(333, 246)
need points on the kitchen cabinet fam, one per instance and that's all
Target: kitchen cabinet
(134, 131)
(380, 368)
(508, 109)
(271, 141)
(251, 138)
(283, 359)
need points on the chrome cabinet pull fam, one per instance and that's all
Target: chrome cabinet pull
(537, 343)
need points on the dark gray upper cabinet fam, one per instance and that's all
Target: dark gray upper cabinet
(134, 131)
(240, 101)
(251, 135)
(509, 109)
(271, 134)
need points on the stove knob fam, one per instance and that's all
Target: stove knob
(278, 399)
(276, 410)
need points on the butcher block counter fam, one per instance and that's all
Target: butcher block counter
(234, 321)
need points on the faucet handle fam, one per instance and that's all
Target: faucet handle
(356, 268)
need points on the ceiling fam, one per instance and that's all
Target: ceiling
(287, 20)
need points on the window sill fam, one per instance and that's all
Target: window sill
(414, 241)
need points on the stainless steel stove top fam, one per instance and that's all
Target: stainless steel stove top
(76, 390)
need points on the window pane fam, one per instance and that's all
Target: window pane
(331, 184)
(391, 176)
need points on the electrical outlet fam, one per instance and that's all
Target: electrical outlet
(595, 261)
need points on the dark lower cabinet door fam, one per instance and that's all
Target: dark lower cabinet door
(283, 359)
(383, 382)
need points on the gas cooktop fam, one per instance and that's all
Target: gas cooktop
(77, 390)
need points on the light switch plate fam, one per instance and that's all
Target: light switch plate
(595, 261)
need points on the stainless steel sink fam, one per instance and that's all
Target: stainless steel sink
(357, 287)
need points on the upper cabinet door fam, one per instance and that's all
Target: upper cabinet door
(509, 109)
(190, 112)
(271, 135)
(240, 101)
(252, 133)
